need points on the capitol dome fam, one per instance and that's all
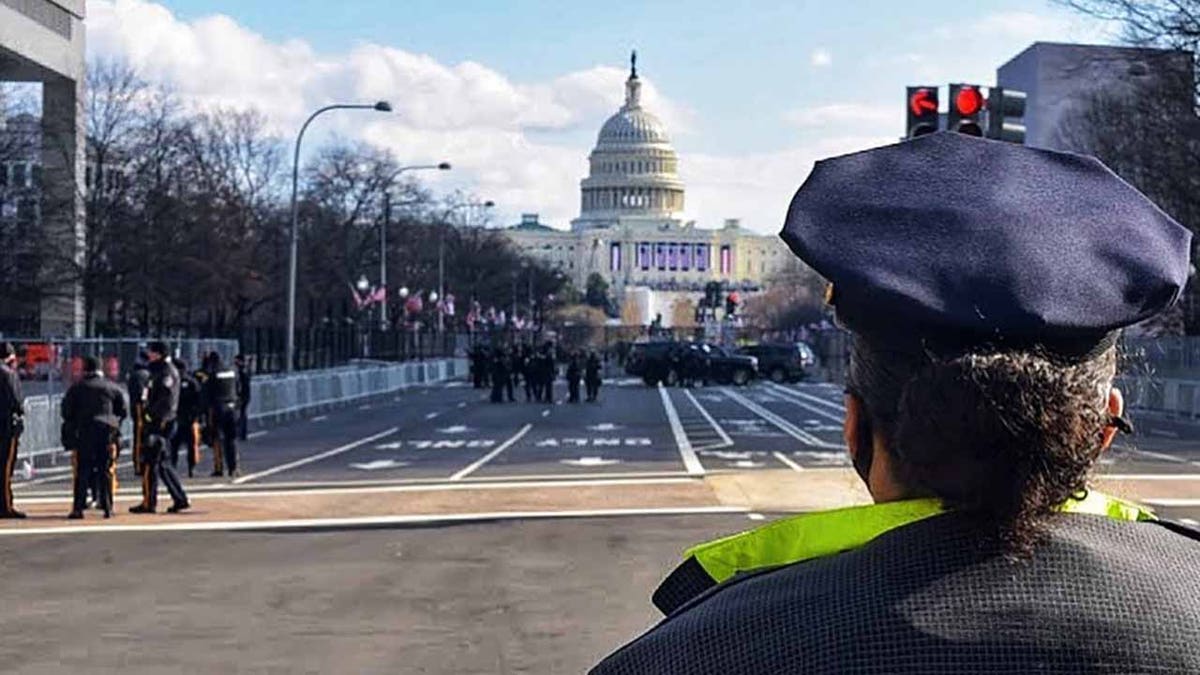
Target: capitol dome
(633, 170)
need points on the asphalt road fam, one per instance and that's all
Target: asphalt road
(451, 432)
(539, 596)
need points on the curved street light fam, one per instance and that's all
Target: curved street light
(387, 219)
(290, 349)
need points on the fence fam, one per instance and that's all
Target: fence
(272, 398)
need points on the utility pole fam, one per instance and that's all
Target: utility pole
(387, 218)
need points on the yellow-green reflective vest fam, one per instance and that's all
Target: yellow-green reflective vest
(823, 533)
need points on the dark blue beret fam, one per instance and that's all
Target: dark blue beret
(980, 241)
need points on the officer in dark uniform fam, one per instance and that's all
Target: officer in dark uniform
(243, 393)
(159, 416)
(549, 372)
(574, 374)
(12, 423)
(499, 374)
(136, 383)
(985, 285)
(222, 398)
(591, 377)
(191, 409)
(208, 427)
(92, 409)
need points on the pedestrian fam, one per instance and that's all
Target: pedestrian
(135, 383)
(243, 393)
(591, 377)
(209, 431)
(549, 372)
(160, 410)
(574, 373)
(499, 375)
(191, 410)
(510, 360)
(525, 363)
(12, 423)
(92, 411)
(980, 397)
(221, 399)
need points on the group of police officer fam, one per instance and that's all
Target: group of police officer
(502, 369)
(169, 407)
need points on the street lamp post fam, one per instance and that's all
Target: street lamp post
(387, 219)
(290, 350)
(442, 251)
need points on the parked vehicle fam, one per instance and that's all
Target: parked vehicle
(667, 362)
(785, 362)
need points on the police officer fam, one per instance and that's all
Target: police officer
(208, 425)
(499, 373)
(574, 373)
(136, 383)
(548, 373)
(591, 377)
(243, 393)
(92, 409)
(191, 410)
(985, 285)
(221, 396)
(12, 423)
(160, 412)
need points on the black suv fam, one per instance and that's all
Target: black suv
(788, 362)
(671, 362)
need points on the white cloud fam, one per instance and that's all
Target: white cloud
(514, 143)
(842, 115)
(821, 58)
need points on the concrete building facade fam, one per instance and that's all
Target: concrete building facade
(43, 41)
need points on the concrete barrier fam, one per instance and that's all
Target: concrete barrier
(273, 398)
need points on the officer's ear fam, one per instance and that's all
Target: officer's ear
(1116, 412)
(856, 430)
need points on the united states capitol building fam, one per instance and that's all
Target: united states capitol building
(630, 228)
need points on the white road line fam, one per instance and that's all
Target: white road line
(312, 523)
(1148, 476)
(390, 489)
(546, 412)
(255, 434)
(783, 425)
(788, 462)
(319, 418)
(317, 457)
(756, 516)
(462, 404)
(1158, 455)
(815, 399)
(365, 406)
(1170, 501)
(798, 399)
(726, 441)
(491, 455)
(431, 415)
(1164, 433)
(690, 461)
(1189, 521)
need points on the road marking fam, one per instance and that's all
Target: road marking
(690, 461)
(783, 425)
(455, 429)
(371, 521)
(815, 399)
(416, 485)
(1189, 521)
(377, 464)
(1170, 501)
(1158, 455)
(590, 461)
(546, 413)
(726, 441)
(756, 516)
(491, 455)
(431, 415)
(1164, 433)
(604, 426)
(255, 434)
(797, 399)
(317, 457)
(319, 418)
(365, 406)
(463, 404)
(788, 462)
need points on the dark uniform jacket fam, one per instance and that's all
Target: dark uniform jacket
(1098, 596)
(12, 403)
(191, 403)
(162, 396)
(243, 386)
(220, 389)
(94, 399)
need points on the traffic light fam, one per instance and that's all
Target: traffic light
(922, 107)
(966, 109)
(1006, 112)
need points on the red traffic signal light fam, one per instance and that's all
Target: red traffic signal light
(966, 109)
(922, 109)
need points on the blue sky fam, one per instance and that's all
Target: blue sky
(742, 85)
